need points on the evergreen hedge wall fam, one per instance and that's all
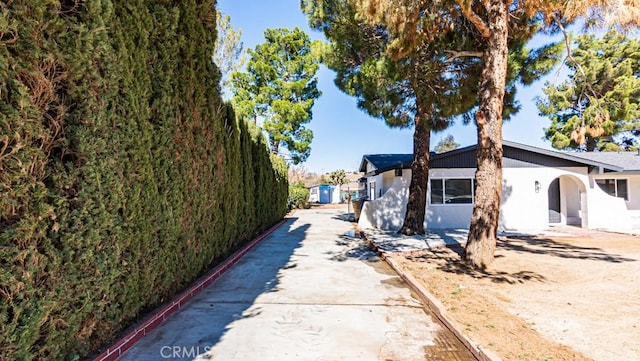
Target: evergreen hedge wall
(123, 176)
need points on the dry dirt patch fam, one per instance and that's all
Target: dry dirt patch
(551, 298)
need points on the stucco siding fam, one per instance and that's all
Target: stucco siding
(526, 207)
(525, 200)
(607, 212)
(634, 192)
(387, 212)
(387, 180)
(438, 216)
(633, 183)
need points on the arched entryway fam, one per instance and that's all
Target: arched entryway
(567, 201)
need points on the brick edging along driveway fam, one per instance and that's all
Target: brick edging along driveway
(435, 306)
(119, 347)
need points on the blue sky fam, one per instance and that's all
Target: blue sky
(342, 132)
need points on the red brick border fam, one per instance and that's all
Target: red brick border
(437, 308)
(119, 347)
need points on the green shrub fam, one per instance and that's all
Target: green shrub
(299, 195)
(123, 175)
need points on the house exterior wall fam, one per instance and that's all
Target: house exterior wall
(633, 183)
(448, 215)
(526, 208)
(523, 207)
(605, 211)
(387, 180)
(604, 216)
(387, 212)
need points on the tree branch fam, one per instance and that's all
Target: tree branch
(567, 43)
(475, 19)
(460, 54)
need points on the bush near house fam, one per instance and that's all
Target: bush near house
(298, 195)
(123, 176)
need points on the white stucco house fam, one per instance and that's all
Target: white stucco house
(540, 188)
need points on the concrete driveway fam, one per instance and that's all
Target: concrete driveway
(309, 291)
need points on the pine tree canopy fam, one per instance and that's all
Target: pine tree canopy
(600, 108)
(280, 85)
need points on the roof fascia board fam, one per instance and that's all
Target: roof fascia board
(560, 155)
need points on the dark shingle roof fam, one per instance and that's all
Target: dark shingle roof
(385, 162)
(606, 161)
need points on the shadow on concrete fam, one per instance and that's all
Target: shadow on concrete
(200, 325)
(353, 247)
(394, 242)
(346, 217)
(546, 246)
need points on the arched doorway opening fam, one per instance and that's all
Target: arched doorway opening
(567, 201)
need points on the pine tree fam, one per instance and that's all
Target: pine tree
(411, 69)
(280, 85)
(416, 88)
(497, 22)
(598, 107)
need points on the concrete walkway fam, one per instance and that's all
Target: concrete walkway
(309, 291)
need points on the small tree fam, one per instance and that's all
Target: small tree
(598, 107)
(280, 85)
(446, 144)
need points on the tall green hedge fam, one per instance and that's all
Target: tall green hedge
(123, 175)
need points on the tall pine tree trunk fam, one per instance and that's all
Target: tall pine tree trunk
(483, 229)
(414, 218)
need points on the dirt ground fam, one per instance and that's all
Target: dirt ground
(544, 298)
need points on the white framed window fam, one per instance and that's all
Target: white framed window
(615, 187)
(451, 191)
(398, 172)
